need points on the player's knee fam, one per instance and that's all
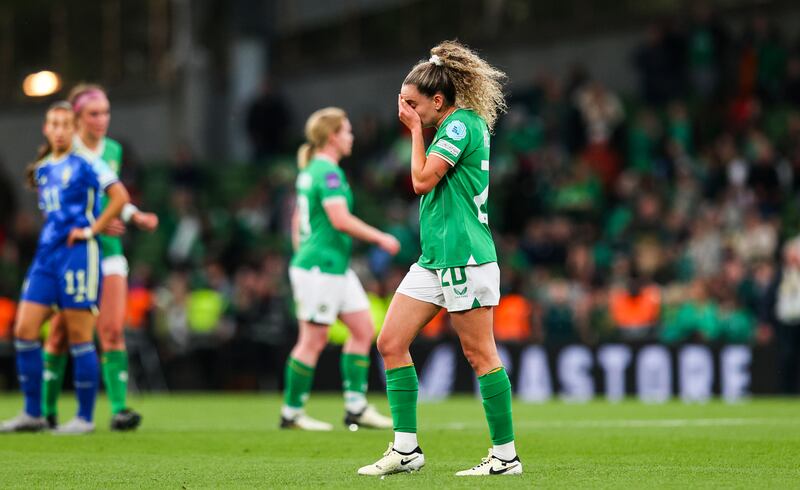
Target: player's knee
(388, 346)
(476, 357)
(362, 333)
(315, 340)
(23, 331)
(112, 337)
(26, 329)
(56, 342)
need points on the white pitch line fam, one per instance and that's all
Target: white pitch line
(632, 424)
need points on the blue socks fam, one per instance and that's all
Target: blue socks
(86, 374)
(29, 369)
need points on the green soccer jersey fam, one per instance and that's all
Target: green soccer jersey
(111, 152)
(321, 245)
(453, 217)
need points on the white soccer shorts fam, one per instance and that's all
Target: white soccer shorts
(116, 265)
(454, 288)
(321, 297)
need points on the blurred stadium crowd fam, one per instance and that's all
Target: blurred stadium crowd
(670, 214)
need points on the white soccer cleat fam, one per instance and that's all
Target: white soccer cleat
(74, 427)
(395, 462)
(24, 423)
(304, 422)
(492, 465)
(369, 418)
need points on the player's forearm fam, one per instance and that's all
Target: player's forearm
(418, 159)
(117, 198)
(358, 229)
(422, 176)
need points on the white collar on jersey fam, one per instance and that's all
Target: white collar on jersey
(78, 143)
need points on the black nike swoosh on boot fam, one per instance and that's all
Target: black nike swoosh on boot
(500, 472)
(405, 461)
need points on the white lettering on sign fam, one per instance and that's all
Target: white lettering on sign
(654, 374)
(439, 374)
(614, 358)
(534, 375)
(574, 373)
(696, 371)
(734, 363)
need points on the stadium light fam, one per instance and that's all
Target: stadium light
(41, 84)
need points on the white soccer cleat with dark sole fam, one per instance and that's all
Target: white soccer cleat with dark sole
(492, 465)
(304, 422)
(395, 462)
(74, 427)
(24, 423)
(369, 418)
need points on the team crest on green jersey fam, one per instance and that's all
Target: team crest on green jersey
(456, 130)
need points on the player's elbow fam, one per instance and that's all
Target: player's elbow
(339, 223)
(117, 192)
(421, 188)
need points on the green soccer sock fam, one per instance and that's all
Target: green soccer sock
(55, 365)
(496, 393)
(298, 378)
(115, 377)
(355, 371)
(402, 388)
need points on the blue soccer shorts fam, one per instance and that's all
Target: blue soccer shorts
(65, 277)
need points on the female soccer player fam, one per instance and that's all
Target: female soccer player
(92, 110)
(65, 273)
(461, 95)
(324, 286)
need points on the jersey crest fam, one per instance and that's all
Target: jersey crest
(332, 180)
(65, 176)
(456, 130)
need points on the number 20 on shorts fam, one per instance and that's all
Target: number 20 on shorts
(458, 276)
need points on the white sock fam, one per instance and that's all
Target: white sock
(405, 442)
(354, 402)
(290, 412)
(506, 451)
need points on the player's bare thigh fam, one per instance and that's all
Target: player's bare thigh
(79, 325)
(311, 340)
(475, 331)
(111, 321)
(30, 318)
(57, 342)
(362, 330)
(404, 320)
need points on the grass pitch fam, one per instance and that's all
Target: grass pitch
(212, 441)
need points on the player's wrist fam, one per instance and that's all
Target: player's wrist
(128, 212)
(88, 233)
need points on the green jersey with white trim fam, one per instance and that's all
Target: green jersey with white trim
(321, 245)
(453, 217)
(110, 152)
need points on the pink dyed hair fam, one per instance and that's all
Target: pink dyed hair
(82, 99)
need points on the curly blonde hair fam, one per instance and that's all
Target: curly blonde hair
(465, 79)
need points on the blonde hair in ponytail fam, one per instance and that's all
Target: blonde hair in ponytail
(320, 125)
(464, 78)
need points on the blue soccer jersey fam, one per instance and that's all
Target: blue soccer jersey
(69, 189)
(69, 194)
